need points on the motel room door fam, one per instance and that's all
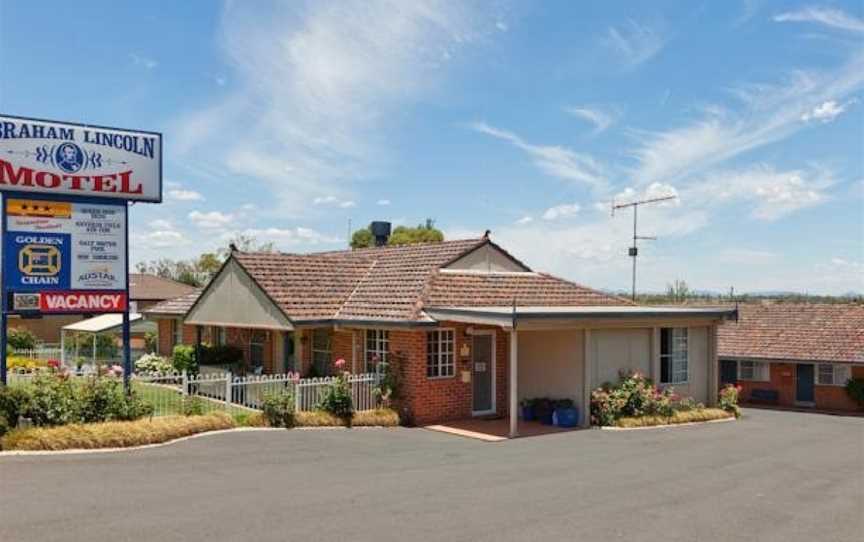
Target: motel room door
(483, 372)
(805, 380)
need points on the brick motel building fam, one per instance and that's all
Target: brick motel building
(795, 355)
(470, 329)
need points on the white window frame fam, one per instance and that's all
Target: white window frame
(380, 341)
(328, 351)
(444, 361)
(676, 357)
(840, 374)
(760, 371)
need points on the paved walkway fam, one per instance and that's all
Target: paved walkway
(773, 476)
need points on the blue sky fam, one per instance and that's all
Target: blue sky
(286, 120)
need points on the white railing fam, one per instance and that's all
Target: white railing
(179, 393)
(40, 352)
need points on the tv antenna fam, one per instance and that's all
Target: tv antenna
(634, 250)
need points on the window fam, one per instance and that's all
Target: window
(377, 347)
(439, 353)
(257, 341)
(753, 370)
(833, 374)
(673, 355)
(217, 336)
(321, 351)
(176, 332)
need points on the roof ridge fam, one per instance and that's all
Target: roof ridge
(356, 287)
(436, 271)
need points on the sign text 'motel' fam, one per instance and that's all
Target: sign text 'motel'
(78, 160)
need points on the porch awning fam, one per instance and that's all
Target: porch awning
(506, 316)
(111, 322)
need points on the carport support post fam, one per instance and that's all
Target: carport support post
(514, 394)
(587, 377)
(713, 366)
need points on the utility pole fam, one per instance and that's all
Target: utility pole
(634, 250)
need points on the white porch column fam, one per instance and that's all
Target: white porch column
(514, 394)
(587, 377)
(655, 355)
(354, 351)
(62, 347)
(713, 366)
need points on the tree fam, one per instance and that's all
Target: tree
(678, 291)
(402, 235)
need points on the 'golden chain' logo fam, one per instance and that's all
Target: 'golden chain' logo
(39, 260)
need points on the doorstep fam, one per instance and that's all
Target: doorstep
(495, 430)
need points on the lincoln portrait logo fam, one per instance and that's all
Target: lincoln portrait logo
(39, 260)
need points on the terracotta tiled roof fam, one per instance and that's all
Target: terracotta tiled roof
(801, 332)
(178, 305)
(534, 289)
(395, 282)
(306, 287)
(146, 287)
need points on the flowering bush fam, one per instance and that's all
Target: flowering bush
(153, 363)
(278, 409)
(729, 399)
(634, 396)
(337, 397)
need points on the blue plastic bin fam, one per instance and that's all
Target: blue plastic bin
(566, 417)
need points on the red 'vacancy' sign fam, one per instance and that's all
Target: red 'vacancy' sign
(82, 301)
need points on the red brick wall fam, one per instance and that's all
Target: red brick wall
(782, 379)
(165, 345)
(429, 400)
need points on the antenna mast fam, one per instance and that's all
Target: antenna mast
(634, 250)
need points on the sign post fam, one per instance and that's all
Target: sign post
(65, 247)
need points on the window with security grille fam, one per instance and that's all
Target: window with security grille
(674, 366)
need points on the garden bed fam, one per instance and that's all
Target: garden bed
(678, 418)
(114, 434)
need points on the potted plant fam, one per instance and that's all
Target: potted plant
(527, 406)
(565, 413)
(543, 410)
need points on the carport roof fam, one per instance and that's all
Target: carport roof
(506, 315)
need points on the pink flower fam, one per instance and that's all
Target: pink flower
(340, 363)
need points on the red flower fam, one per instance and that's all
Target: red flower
(54, 363)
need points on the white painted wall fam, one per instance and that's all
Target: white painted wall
(614, 350)
(486, 258)
(550, 364)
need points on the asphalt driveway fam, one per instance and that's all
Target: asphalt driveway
(772, 476)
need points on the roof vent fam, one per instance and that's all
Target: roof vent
(381, 232)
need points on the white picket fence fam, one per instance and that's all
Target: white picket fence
(40, 352)
(220, 390)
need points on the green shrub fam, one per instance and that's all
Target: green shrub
(193, 406)
(153, 363)
(337, 399)
(98, 399)
(131, 407)
(634, 396)
(52, 401)
(183, 358)
(4, 426)
(855, 389)
(20, 339)
(728, 399)
(278, 408)
(13, 403)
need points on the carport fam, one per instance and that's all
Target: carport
(568, 351)
(98, 325)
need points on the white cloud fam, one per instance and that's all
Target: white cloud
(332, 201)
(502, 26)
(770, 194)
(822, 15)
(770, 113)
(635, 43)
(211, 219)
(565, 210)
(144, 61)
(185, 195)
(162, 239)
(527, 219)
(383, 202)
(653, 191)
(600, 118)
(746, 256)
(316, 86)
(826, 111)
(161, 224)
(285, 236)
(553, 160)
